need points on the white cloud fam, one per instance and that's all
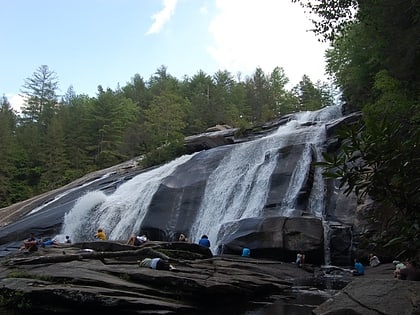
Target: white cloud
(16, 101)
(266, 33)
(162, 17)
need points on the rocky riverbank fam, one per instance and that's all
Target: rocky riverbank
(105, 277)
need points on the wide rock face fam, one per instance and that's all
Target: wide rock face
(179, 196)
(276, 237)
(374, 296)
(105, 277)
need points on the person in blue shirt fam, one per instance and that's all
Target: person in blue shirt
(360, 270)
(48, 242)
(204, 241)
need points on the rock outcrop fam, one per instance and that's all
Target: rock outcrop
(277, 237)
(376, 293)
(105, 277)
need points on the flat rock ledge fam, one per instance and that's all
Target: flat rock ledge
(375, 293)
(105, 277)
(374, 297)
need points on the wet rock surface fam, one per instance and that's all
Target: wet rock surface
(278, 237)
(377, 292)
(105, 277)
(176, 203)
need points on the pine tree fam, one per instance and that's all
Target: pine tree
(7, 129)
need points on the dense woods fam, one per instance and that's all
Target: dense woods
(375, 60)
(58, 138)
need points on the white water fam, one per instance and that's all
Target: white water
(122, 212)
(65, 193)
(236, 189)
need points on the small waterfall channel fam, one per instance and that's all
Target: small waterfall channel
(236, 189)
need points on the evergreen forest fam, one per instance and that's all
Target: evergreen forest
(56, 139)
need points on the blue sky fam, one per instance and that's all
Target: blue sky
(106, 42)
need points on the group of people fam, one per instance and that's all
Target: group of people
(138, 240)
(31, 244)
(403, 271)
(407, 271)
(359, 269)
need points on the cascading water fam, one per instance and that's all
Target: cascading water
(236, 189)
(65, 193)
(121, 212)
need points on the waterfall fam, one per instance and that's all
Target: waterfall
(236, 189)
(122, 212)
(65, 193)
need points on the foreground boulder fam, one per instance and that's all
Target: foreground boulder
(278, 237)
(377, 292)
(377, 296)
(105, 277)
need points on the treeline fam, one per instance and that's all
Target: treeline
(56, 139)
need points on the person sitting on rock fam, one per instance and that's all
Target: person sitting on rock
(101, 235)
(398, 266)
(204, 241)
(182, 238)
(31, 244)
(373, 260)
(67, 241)
(360, 270)
(48, 242)
(137, 240)
(411, 272)
(156, 263)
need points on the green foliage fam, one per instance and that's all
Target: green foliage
(54, 142)
(40, 96)
(164, 120)
(380, 157)
(14, 299)
(163, 154)
(330, 17)
(124, 276)
(7, 129)
(107, 119)
(374, 60)
(311, 97)
(381, 161)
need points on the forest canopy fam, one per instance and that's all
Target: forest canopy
(58, 138)
(375, 60)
